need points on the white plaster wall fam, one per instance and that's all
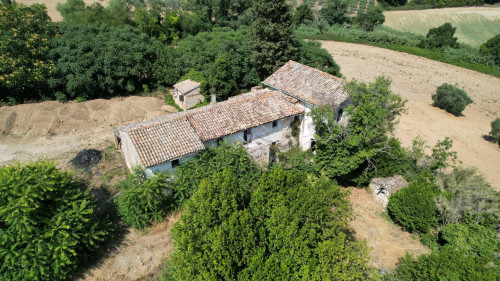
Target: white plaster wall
(167, 166)
(129, 151)
(307, 130)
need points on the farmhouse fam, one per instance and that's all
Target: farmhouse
(186, 94)
(260, 120)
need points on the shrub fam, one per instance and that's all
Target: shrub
(144, 199)
(446, 264)
(303, 13)
(370, 18)
(441, 36)
(492, 48)
(413, 207)
(474, 239)
(495, 130)
(451, 99)
(335, 11)
(48, 222)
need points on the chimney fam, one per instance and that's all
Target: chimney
(256, 89)
(213, 99)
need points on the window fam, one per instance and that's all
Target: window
(313, 145)
(181, 98)
(339, 115)
(175, 163)
(275, 124)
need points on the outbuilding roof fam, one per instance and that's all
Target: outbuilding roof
(174, 136)
(187, 86)
(308, 84)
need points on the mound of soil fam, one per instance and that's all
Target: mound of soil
(87, 158)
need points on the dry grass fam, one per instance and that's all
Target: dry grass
(51, 6)
(139, 255)
(387, 241)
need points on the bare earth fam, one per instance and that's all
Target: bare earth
(52, 4)
(387, 241)
(138, 257)
(54, 130)
(416, 79)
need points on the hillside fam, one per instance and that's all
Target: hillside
(416, 78)
(475, 25)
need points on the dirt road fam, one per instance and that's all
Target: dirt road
(416, 79)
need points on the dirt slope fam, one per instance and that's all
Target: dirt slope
(52, 5)
(416, 79)
(387, 241)
(57, 131)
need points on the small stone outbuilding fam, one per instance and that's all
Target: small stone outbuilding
(382, 188)
(186, 94)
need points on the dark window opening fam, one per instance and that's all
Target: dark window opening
(175, 163)
(275, 124)
(181, 98)
(219, 141)
(246, 135)
(313, 145)
(339, 115)
(118, 143)
(296, 118)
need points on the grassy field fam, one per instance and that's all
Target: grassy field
(474, 25)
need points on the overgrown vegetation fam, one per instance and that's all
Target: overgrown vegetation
(495, 130)
(48, 222)
(451, 99)
(281, 228)
(144, 200)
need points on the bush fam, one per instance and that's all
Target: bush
(441, 36)
(474, 239)
(492, 48)
(413, 207)
(335, 11)
(370, 18)
(446, 264)
(495, 130)
(144, 199)
(451, 99)
(48, 222)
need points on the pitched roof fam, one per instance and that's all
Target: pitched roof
(186, 86)
(238, 114)
(165, 141)
(308, 84)
(177, 135)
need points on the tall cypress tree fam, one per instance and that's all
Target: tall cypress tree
(274, 43)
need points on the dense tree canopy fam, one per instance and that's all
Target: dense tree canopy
(335, 11)
(284, 230)
(101, 61)
(441, 36)
(48, 222)
(344, 150)
(492, 48)
(273, 40)
(25, 34)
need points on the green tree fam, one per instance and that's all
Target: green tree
(335, 11)
(221, 81)
(441, 36)
(495, 130)
(474, 239)
(144, 199)
(448, 263)
(286, 229)
(273, 40)
(25, 67)
(492, 48)
(311, 54)
(394, 2)
(116, 14)
(451, 98)
(370, 18)
(348, 150)
(101, 61)
(303, 13)
(48, 222)
(413, 207)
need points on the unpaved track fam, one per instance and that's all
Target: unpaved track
(416, 79)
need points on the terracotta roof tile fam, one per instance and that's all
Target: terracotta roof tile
(308, 84)
(186, 86)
